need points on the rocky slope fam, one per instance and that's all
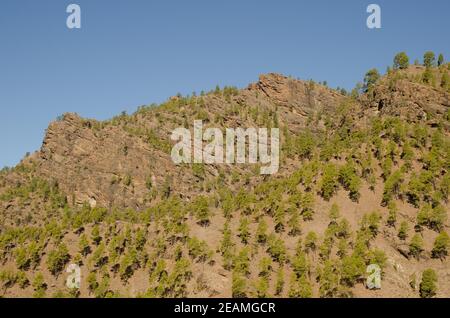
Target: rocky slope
(163, 230)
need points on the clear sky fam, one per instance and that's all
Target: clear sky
(132, 53)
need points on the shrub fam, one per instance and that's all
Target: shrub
(441, 245)
(238, 286)
(416, 245)
(370, 79)
(392, 186)
(403, 231)
(305, 144)
(300, 287)
(300, 264)
(371, 222)
(401, 61)
(95, 235)
(57, 259)
(198, 249)
(310, 241)
(39, 286)
(445, 81)
(276, 249)
(261, 232)
(200, 208)
(392, 216)
(437, 218)
(429, 59)
(428, 285)
(328, 280)
(329, 182)
(427, 76)
(22, 258)
(440, 59)
(279, 284)
(294, 223)
(352, 269)
(241, 262)
(244, 231)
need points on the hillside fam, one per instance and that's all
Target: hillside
(363, 179)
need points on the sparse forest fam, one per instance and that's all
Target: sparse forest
(358, 184)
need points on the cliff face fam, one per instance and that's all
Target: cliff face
(92, 164)
(403, 96)
(95, 162)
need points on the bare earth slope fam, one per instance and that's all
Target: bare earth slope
(107, 196)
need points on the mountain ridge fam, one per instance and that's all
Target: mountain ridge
(354, 170)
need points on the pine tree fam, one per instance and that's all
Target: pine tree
(437, 218)
(423, 216)
(429, 59)
(226, 247)
(241, 262)
(300, 264)
(244, 231)
(39, 286)
(329, 183)
(328, 280)
(201, 210)
(416, 245)
(342, 247)
(238, 285)
(277, 249)
(279, 284)
(261, 231)
(428, 285)
(22, 258)
(294, 223)
(352, 269)
(279, 219)
(343, 229)
(403, 231)
(95, 235)
(441, 245)
(334, 213)
(392, 216)
(307, 206)
(440, 59)
(300, 287)
(57, 259)
(310, 241)
(83, 245)
(92, 281)
(371, 77)
(401, 61)
(262, 287)
(371, 222)
(265, 267)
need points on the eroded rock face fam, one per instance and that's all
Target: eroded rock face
(305, 97)
(408, 100)
(105, 167)
(112, 167)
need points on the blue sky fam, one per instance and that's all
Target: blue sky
(132, 53)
